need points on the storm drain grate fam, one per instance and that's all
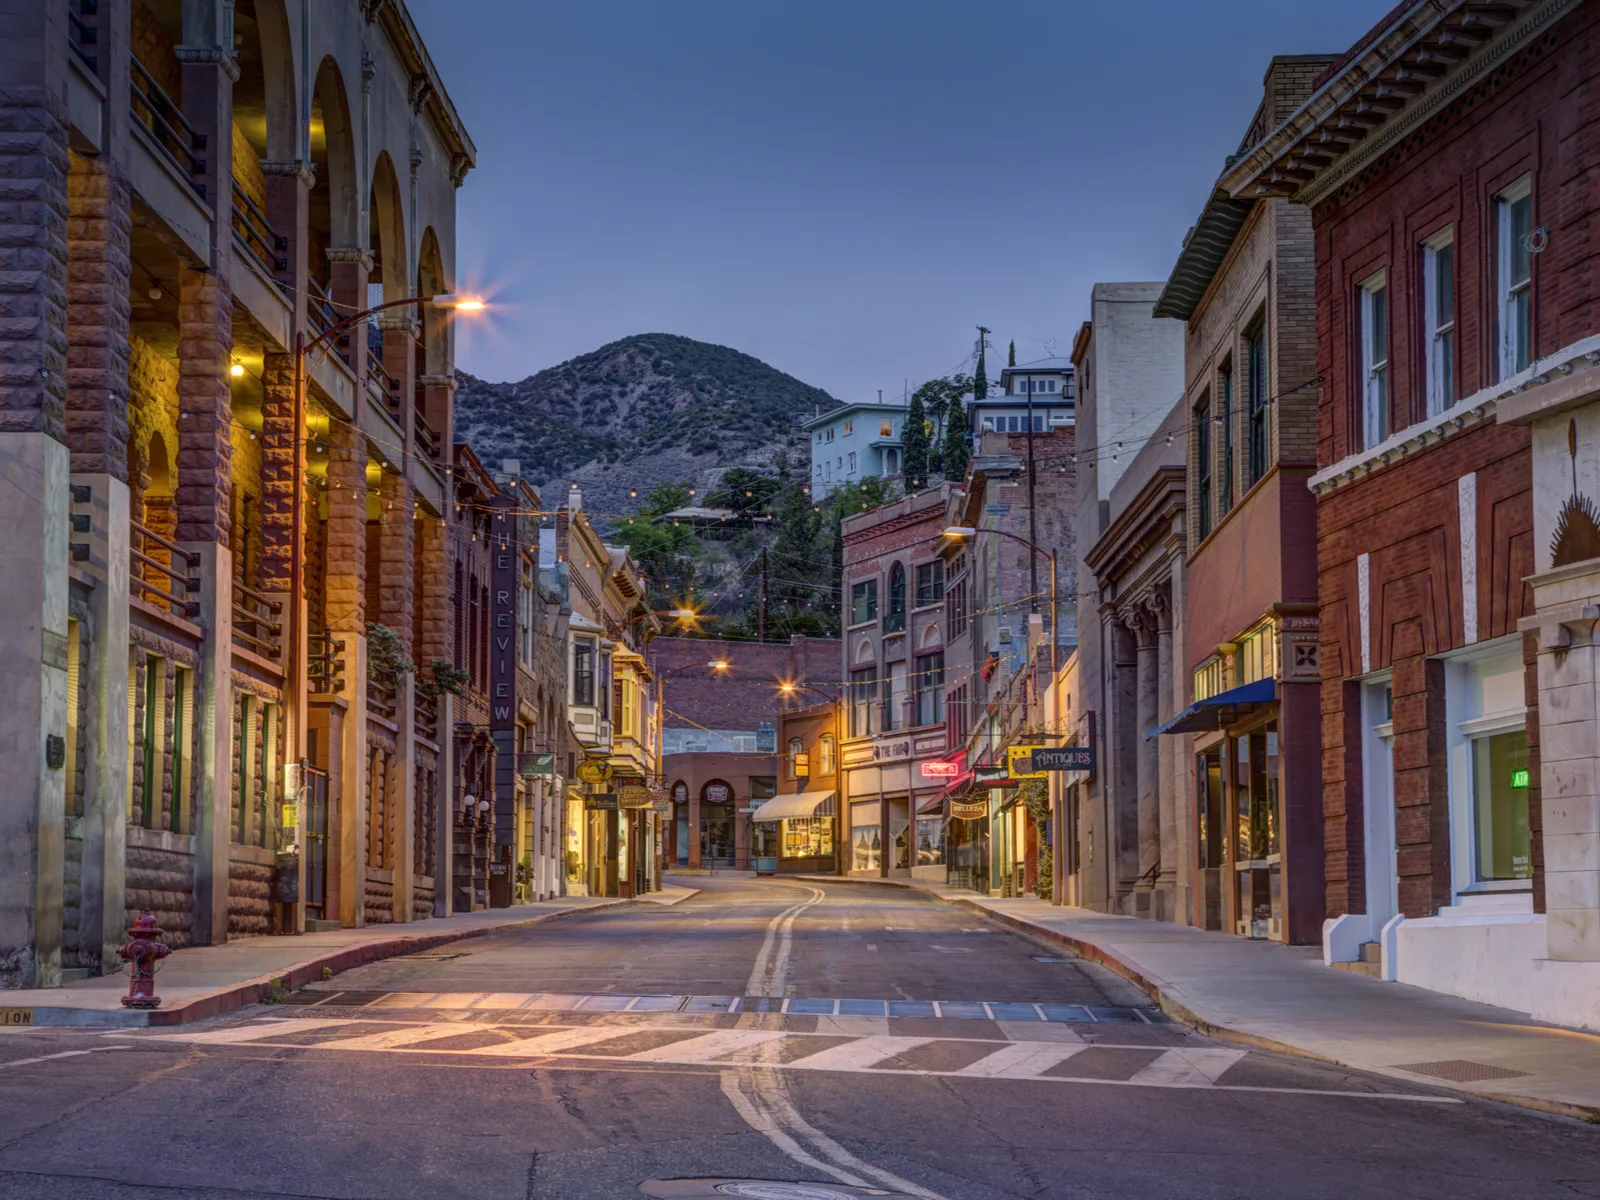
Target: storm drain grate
(1460, 1070)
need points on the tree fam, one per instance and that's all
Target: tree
(915, 442)
(956, 451)
(1011, 354)
(663, 498)
(665, 552)
(746, 492)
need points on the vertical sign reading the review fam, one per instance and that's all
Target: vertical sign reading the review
(505, 565)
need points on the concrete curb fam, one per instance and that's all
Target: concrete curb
(1170, 1001)
(296, 975)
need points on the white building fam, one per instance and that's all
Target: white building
(1045, 387)
(853, 442)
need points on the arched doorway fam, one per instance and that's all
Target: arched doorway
(716, 824)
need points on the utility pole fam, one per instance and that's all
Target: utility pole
(761, 604)
(1033, 537)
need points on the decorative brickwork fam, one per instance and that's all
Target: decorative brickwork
(205, 420)
(98, 232)
(161, 882)
(396, 532)
(347, 530)
(278, 452)
(249, 898)
(33, 262)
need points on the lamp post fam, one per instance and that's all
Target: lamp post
(295, 665)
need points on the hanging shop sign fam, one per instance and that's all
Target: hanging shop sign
(993, 777)
(606, 801)
(968, 810)
(540, 763)
(594, 770)
(633, 795)
(934, 768)
(717, 793)
(662, 806)
(1019, 759)
(1064, 758)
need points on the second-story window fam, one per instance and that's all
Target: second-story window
(604, 689)
(583, 673)
(797, 747)
(863, 601)
(955, 600)
(1202, 465)
(1439, 319)
(1255, 356)
(930, 582)
(863, 701)
(849, 427)
(852, 457)
(825, 755)
(1225, 491)
(1514, 271)
(896, 619)
(929, 689)
(886, 429)
(1374, 299)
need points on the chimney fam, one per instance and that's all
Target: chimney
(574, 499)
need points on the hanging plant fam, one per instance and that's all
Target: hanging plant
(446, 678)
(388, 664)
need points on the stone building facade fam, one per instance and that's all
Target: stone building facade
(200, 549)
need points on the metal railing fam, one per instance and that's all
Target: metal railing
(426, 716)
(428, 440)
(256, 623)
(319, 308)
(381, 701)
(325, 664)
(154, 109)
(81, 35)
(182, 591)
(266, 245)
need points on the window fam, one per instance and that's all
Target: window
(894, 698)
(605, 686)
(1038, 422)
(1502, 838)
(1439, 320)
(930, 689)
(1514, 221)
(583, 673)
(1375, 359)
(930, 841)
(955, 600)
(1202, 471)
(1491, 838)
(1225, 492)
(797, 750)
(1255, 353)
(863, 698)
(825, 755)
(151, 739)
(830, 435)
(988, 424)
(866, 836)
(808, 837)
(849, 427)
(960, 715)
(930, 582)
(886, 429)
(852, 457)
(895, 621)
(863, 601)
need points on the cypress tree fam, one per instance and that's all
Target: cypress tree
(980, 377)
(914, 440)
(956, 451)
(1011, 355)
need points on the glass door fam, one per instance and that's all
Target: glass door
(1258, 858)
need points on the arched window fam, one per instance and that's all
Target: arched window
(797, 758)
(825, 755)
(896, 620)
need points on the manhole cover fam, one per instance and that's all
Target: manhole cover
(1049, 958)
(756, 1189)
(1460, 1070)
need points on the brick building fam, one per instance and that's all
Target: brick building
(183, 214)
(1247, 723)
(1447, 163)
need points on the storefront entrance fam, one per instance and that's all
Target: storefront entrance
(1239, 833)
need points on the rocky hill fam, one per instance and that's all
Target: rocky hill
(648, 409)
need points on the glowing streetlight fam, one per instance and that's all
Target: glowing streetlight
(457, 302)
(957, 532)
(719, 664)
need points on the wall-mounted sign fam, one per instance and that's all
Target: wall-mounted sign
(504, 569)
(968, 810)
(1019, 760)
(593, 770)
(717, 793)
(1519, 779)
(634, 795)
(662, 806)
(1064, 758)
(541, 763)
(993, 777)
(601, 800)
(935, 768)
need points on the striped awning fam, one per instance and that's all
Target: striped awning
(795, 807)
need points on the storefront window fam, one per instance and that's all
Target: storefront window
(1212, 822)
(764, 839)
(867, 847)
(1500, 807)
(930, 841)
(808, 837)
(1258, 900)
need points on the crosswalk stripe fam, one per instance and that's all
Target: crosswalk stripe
(858, 1055)
(1021, 1060)
(1188, 1067)
(453, 1000)
(406, 1035)
(250, 1033)
(707, 1046)
(552, 1043)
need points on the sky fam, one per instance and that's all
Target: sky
(844, 189)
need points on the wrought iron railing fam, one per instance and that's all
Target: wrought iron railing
(256, 622)
(325, 663)
(266, 245)
(381, 701)
(80, 34)
(181, 593)
(320, 313)
(428, 440)
(426, 716)
(154, 109)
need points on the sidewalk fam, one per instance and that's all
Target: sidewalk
(1282, 998)
(205, 981)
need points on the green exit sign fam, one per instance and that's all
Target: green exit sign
(1519, 778)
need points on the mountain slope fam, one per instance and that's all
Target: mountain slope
(647, 409)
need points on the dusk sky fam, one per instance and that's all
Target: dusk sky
(843, 189)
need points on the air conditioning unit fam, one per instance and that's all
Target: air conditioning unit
(1005, 636)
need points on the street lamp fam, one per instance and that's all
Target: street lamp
(295, 666)
(789, 688)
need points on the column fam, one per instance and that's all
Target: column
(694, 828)
(445, 824)
(288, 211)
(1164, 748)
(346, 618)
(438, 410)
(400, 329)
(1147, 762)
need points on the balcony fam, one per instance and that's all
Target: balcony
(382, 701)
(325, 664)
(256, 623)
(156, 577)
(153, 109)
(256, 234)
(322, 316)
(425, 717)
(428, 441)
(81, 36)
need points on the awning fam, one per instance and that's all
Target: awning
(795, 807)
(1222, 709)
(933, 804)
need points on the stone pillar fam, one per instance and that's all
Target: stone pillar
(444, 823)
(209, 73)
(396, 542)
(349, 270)
(101, 924)
(99, 229)
(403, 798)
(438, 410)
(431, 598)
(694, 829)
(400, 330)
(346, 617)
(1148, 764)
(213, 743)
(279, 453)
(1169, 815)
(288, 210)
(205, 451)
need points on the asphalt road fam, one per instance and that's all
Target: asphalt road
(862, 1041)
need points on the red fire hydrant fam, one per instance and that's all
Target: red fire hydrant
(142, 953)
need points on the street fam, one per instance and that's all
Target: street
(589, 1057)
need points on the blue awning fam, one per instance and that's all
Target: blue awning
(1222, 709)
